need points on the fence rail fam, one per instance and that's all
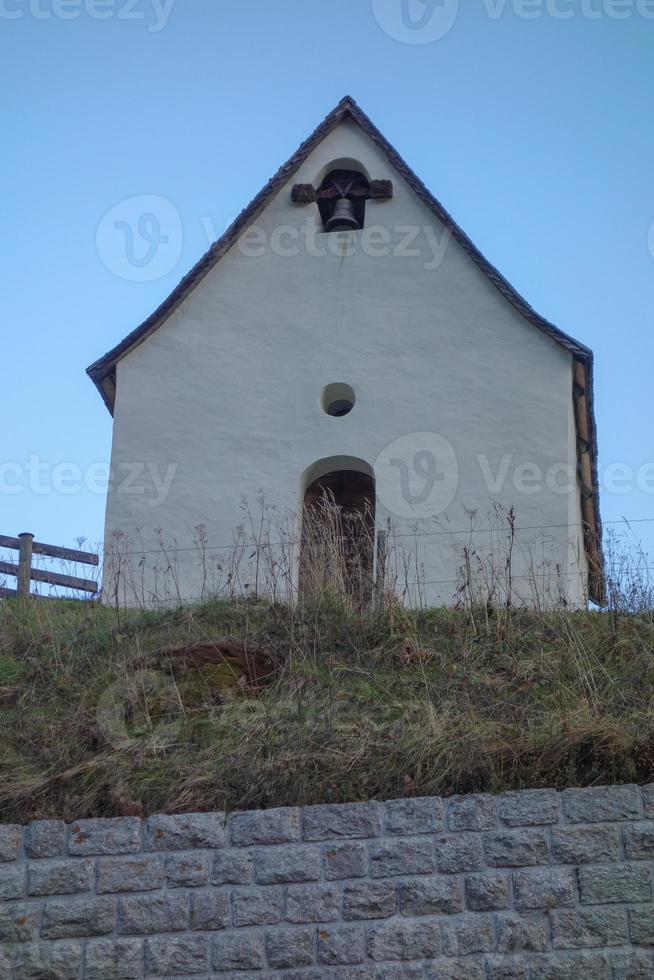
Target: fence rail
(25, 573)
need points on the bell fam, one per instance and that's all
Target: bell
(343, 217)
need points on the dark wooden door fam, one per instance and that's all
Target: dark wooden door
(338, 535)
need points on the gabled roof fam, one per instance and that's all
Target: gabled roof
(103, 371)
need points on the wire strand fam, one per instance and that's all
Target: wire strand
(406, 534)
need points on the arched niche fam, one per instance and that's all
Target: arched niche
(341, 163)
(342, 190)
(337, 549)
(330, 464)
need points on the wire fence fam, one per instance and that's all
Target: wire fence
(256, 561)
(455, 532)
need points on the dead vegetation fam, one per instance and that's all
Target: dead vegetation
(238, 703)
(343, 694)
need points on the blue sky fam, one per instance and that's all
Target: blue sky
(534, 131)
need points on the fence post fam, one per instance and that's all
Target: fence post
(24, 587)
(382, 562)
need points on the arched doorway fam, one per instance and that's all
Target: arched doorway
(338, 529)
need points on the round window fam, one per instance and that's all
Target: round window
(338, 400)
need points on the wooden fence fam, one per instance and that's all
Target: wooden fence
(25, 573)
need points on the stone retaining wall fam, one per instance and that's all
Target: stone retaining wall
(534, 885)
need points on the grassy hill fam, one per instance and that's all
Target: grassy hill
(98, 717)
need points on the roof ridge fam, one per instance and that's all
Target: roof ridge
(346, 106)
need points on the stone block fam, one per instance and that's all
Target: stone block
(404, 941)
(10, 843)
(238, 951)
(585, 845)
(347, 820)
(530, 808)
(468, 934)
(280, 865)
(12, 881)
(508, 968)
(45, 839)
(280, 826)
(413, 856)
(114, 959)
(602, 804)
(233, 867)
(18, 922)
(641, 925)
(632, 966)
(257, 906)
(404, 818)
(171, 956)
(430, 896)
(544, 888)
(458, 853)
(487, 892)
(475, 812)
(121, 835)
(149, 914)
(521, 933)
(68, 877)
(369, 900)
(78, 918)
(342, 861)
(639, 841)
(615, 883)
(465, 968)
(312, 903)
(560, 966)
(516, 849)
(589, 928)
(210, 910)
(287, 948)
(341, 945)
(137, 874)
(185, 832)
(187, 870)
(48, 961)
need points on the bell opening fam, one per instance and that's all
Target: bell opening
(342, 200)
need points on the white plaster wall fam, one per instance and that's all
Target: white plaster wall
(228, 391)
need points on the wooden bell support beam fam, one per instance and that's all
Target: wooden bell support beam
(380, 190)
(303, 194)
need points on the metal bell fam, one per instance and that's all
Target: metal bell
(343, 218)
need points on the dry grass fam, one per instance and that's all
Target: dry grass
(365, 703)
